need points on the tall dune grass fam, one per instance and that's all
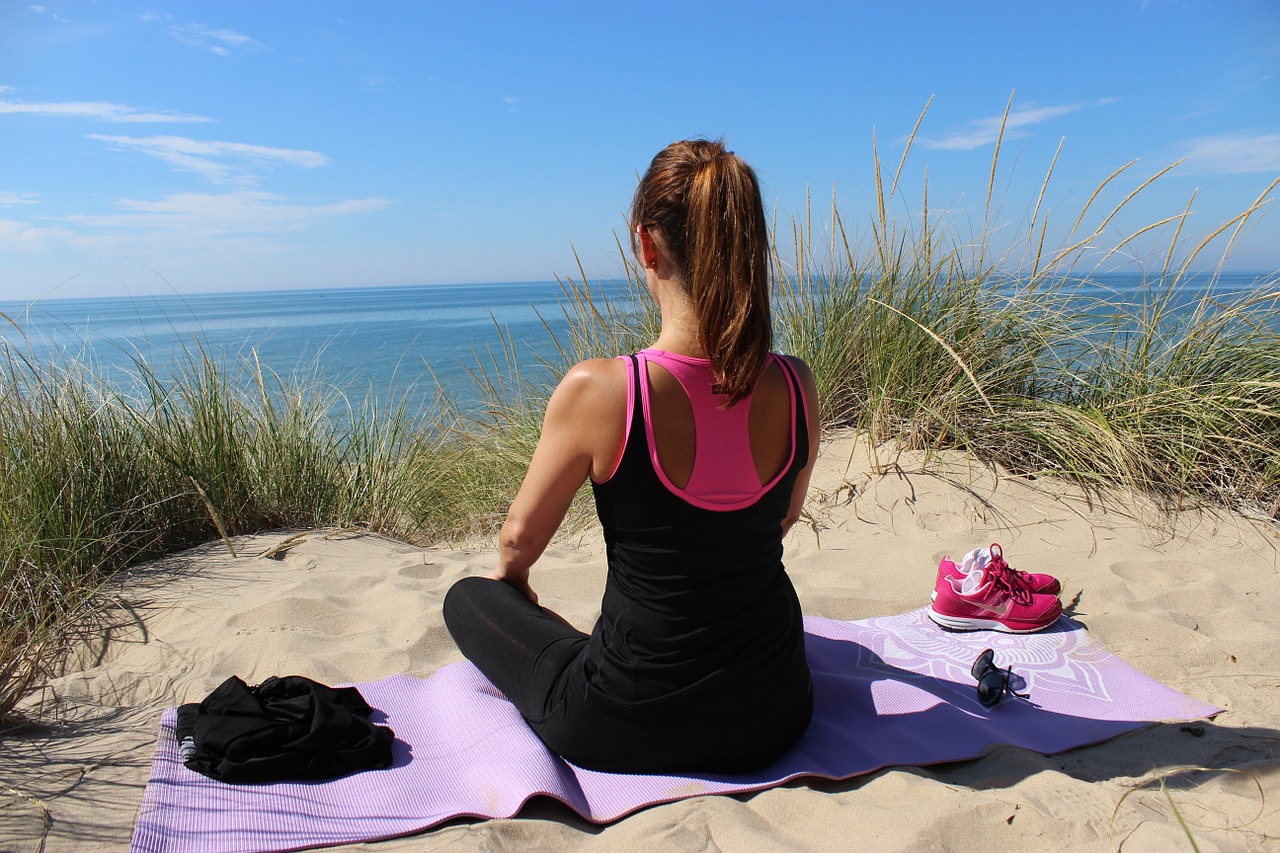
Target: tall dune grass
(96, 479)
(1180, 404)
(929, 339)
(918, 336)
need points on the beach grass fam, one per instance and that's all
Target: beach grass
(97, 479)
(919, 337)
(931, 339)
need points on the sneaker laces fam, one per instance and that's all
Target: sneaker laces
(1007, 578)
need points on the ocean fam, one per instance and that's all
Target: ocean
(384, 344)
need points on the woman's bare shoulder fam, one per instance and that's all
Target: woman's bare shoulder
(801, 369)
(594, 382)
(595, 374)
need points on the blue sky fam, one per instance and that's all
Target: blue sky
(198, 146)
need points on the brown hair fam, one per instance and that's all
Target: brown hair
(703, 202)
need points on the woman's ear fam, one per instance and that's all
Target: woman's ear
(648, 251)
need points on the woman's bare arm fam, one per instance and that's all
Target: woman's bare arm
(581, 435)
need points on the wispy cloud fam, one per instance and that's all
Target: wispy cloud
(15, 235)
(217, 41)
(99, 110)
(186, 223)
(219, 162)
(40, 10)
(984, 131)
(209, 215)
(8, 199)
(1234, 153)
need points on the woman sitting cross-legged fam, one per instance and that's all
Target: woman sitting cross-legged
(699, 451)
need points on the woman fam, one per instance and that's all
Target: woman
(699, 450)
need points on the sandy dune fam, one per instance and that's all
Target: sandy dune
(1193, 601)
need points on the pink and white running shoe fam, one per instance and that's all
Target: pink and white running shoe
(995, 601)
(973, 564)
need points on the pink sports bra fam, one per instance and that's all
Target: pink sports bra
(724, 473)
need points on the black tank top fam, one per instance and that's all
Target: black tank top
(698, 614)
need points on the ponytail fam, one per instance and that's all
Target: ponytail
(704, 202)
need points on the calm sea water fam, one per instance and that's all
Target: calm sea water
(369, 342)
(380, 343)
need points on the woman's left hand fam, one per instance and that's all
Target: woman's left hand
(519, 581)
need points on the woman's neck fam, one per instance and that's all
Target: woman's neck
(679, 333)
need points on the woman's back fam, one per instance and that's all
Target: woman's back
(698, 610)
(769, 424)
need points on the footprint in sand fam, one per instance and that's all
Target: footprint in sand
(296, 614)
(1165, 571)
(422, 571)
(444, 567)
(944, 522)
(432, 644)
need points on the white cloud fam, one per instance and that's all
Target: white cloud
(1234, 153)
(16, 235)
(220, 42)
(9, 199)
(40, 10)
(219, 162)
(985, 131)
(240, 212)
(184, 224)
(100, 110)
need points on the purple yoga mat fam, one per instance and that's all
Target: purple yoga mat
(894, 690)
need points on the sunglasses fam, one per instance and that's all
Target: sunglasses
(993, 683)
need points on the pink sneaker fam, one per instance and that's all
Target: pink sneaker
(976, 560)
(997, 601)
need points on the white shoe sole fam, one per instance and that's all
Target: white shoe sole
(968, 623)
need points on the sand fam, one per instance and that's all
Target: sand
(1192, 600)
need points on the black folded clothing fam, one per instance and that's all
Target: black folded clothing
(284, 729)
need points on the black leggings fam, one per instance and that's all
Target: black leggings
(528, 653)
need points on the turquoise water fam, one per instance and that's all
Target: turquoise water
(383, 343)
(369, 342)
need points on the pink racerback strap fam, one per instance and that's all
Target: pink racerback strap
(724, 472)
